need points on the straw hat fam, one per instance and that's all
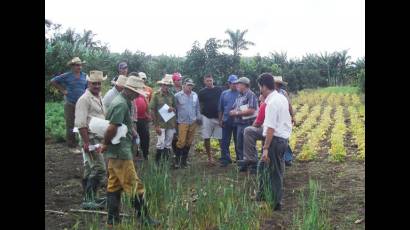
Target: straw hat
(142, 75)
(121, 80)
(96, 76)
(135, 84)
(74, 61)
(278, 79)
(167, 80)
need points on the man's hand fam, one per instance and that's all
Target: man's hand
(64, 92)
(221, 123)
(171, 110)
(103, 148)
(86, 146)
(265, 156)
(233, 113)
(158, 130)
(293, 121)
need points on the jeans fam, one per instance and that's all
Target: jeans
(143, 132)
(251, 135)
(228, 130)
(288, 154)
(240, 139)
(271, 175)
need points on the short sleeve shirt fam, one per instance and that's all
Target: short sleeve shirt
(261, 114)
(88, 106)
(246, 98)
(209, 99)
(226, 101)
(187, 107)
(109, 96)
(277, 115)
(119, 113)
(75, 86)
(158, 100)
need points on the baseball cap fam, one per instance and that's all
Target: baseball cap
(176, 76)
(189, 81)
(232, 78)
(122, 65)
(243, 80)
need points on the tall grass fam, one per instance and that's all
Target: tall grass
(341, 89)
(313, 211)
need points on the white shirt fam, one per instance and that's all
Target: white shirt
(277, 115)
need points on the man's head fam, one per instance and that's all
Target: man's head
(188, 85)
(279, 83)
(134, 87)
(76, 64)
(266, 83)
(208, 81)
(94, 81)
(242, 84)
(177, 79)
(165, 83)
(123, 68)
(232, 82)
(119, 84)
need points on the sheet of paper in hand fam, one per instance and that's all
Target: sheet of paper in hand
(163, 111)
(245, 107)
(99, 126)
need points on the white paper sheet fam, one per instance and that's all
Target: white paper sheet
(163, 111)
(245, 107)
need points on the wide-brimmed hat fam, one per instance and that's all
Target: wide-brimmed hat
(135, 84)
(142, 75)
(74, 61)
(243, 80)
(189, 81)
(121, 80)
(278, 79)
(167, 80)
(96, 76)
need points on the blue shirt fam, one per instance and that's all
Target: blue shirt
(226, 102)
(187, 107)
(246, 98)
(75, 87)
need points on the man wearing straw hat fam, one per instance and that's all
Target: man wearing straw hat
(148, 90)
(165, 129)
(188, 115)
(114, 91)
(121, 169)
(72, 85)
(90, 105)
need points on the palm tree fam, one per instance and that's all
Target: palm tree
(236, 41)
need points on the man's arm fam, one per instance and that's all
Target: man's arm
(59, 87)
(110, 134)
(80, 121)
(268, 141)
(85, 139)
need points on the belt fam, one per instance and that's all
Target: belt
(280, 138)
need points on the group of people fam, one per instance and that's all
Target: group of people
(221, 113)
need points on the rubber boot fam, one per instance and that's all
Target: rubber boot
(113, 207)
(166, 154)
(184, 160)
(90, 195)
(142, 212)
(178, 158)
(158, 156)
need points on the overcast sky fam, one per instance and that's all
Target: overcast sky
(171, 26)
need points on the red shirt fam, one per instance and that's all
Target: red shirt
(261, 114)
(141, 104)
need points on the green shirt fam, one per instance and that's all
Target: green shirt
(158, 100)
(119, 112)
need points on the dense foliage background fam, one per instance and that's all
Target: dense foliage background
(310, 71)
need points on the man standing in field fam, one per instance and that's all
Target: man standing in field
(165, 130)
(243, 112)
(225, 104)
(122, 68)
(208, 99)
(251, 135)
(121, 169)
(277, 128)
(279, 86)
(114, 91)
(72, 85)
(90, 105)
(188, 115)
(148, 90)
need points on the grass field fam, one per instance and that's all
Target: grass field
(323, 189)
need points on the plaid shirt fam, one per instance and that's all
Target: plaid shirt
(246, 98)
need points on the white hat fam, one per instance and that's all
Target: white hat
(278, 79)
(74, 61)
(135, 84)
(96, 76)
(167, 80)
(142, 75)
(121, 80)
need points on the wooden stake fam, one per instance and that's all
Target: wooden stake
(95, 212)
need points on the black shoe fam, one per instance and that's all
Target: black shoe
(158, 156)
(113, 207)
(178, 158)
(278, 207)
(288, 163)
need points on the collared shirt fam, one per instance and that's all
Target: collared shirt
(119, 113)
(245, 98)
(226, 102)
(75, 86)
(86, 107)
(159, 99)
(109, 96)
(277, 115)
(187, 107)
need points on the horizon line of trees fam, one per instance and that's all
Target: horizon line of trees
(310, 71)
